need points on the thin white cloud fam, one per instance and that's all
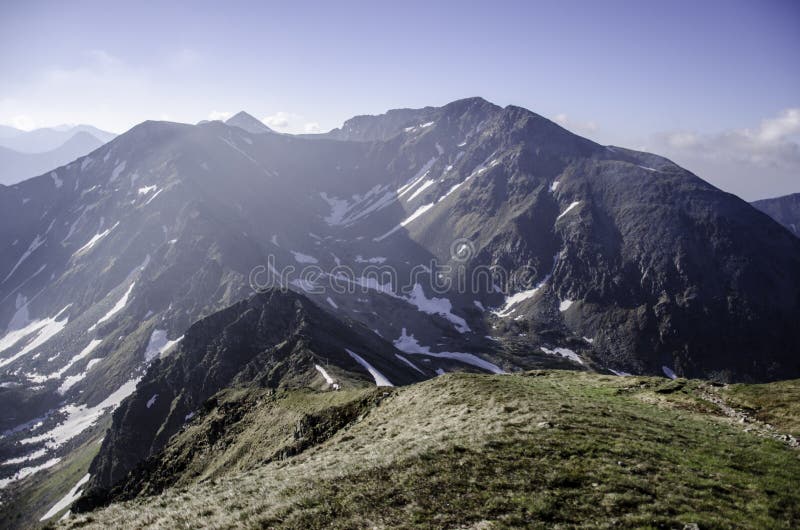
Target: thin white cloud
(753, 162)
(786, 125)
(292, 123)
(576, 126)
(219, 115)
(22, 121)
(770, 145)
(280, 120)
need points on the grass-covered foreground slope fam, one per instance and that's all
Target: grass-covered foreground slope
(538, 449)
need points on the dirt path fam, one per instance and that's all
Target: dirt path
(748, 422)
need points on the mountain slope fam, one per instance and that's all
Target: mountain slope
(539, 449)
(17, 166)
(785, 210)
(276, 339)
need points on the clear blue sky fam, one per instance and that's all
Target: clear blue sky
(617, 71)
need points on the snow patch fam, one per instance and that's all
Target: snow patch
(95, 238)
(152, 400)
(564, 305)
(417, 178)
(27, 458)
(511, 301)
(328, 378)
(407, 343)
(339, 208)
(117, 170)
(621, 374)
(119, 306)
(563, 352)
(668, 372)
(44, 330)
(569, 209)
(159, 344)
(425, 185)
(380, 380)
(28, 471)
(152, 197)
(299, 257)
(57, 182)
(70, 381)
(71, 496)
(36, 243)
(421, 210)
(409, 363)
(81, 417)
(436, 306)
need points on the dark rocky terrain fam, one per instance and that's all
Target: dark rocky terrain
(274, 340)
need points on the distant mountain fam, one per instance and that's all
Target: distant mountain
(785, 210)
(9, 132)
(17, 166)
(248, 123)
(48, 139)
(572, 255)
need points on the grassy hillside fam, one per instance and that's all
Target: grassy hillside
(31, 498)
(537, 449)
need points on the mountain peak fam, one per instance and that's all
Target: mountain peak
(247, 122)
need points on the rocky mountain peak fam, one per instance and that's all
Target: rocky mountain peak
(248, 122)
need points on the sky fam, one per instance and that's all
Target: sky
(713, 85)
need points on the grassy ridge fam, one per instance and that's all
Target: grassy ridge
(774, 403)
(536, 450)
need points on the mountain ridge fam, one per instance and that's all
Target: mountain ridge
(275, 339)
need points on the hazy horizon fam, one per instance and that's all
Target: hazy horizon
(713, 86)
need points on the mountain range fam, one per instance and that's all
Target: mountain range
(785, 210)
(25, 154)
(178, 262)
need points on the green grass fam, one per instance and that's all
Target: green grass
(42, 490)
(774, 403)
(543, 449)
